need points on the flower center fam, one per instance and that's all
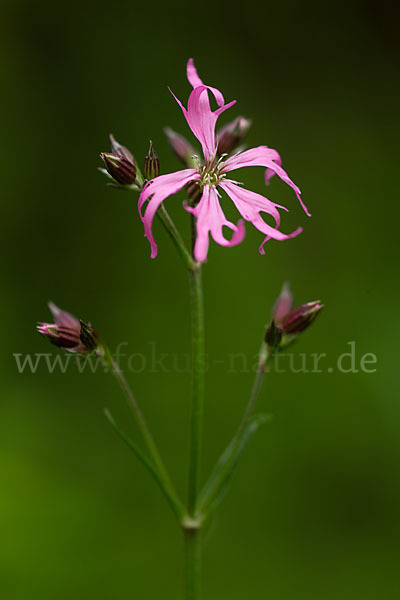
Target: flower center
(212, 173)
(209, 177)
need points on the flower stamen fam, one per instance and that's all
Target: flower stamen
(212, 173)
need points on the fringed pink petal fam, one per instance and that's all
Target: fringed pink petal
(192, 75)
(269, 173)
(262, 156)
(211, 219)
(250, 205)
(155, 192)
(195, 82)
(201, 119)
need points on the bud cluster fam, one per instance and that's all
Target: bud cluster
(122, 168)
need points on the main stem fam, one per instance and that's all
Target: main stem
(191, 528)
(198, 367)
(193, 563)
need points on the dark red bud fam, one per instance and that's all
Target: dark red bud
(120, 169)
(301, 317)
(230, 135)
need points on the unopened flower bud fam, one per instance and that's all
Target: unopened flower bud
(120, 163)
(120, 150)
(230, 135)
(179, 144)
(300, 318)
(286, 323)
(151, 166)
(71, 334)
(120, 169)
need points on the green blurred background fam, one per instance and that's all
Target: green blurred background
(313, 511)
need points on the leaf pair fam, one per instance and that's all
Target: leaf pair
(218, 484)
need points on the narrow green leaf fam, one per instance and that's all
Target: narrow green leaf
(132, 446)
(164, 485)
(218, 484)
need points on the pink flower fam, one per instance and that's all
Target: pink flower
(211, 177)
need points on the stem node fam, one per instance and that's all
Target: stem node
(191, 523)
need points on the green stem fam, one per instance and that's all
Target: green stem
(160, 470)
(255, 391)
(193, 563)
(191, 527)
(198, 367)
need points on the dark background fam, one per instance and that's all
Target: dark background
(313, 511)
